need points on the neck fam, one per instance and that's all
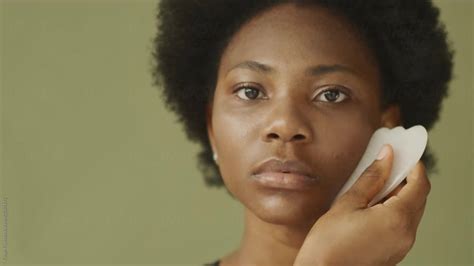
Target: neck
(267, 244)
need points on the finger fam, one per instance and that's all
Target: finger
(419, 214)
(397, 189)
(414, 193)
(370, 182)
(394, 192)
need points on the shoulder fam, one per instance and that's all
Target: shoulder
(215, 263)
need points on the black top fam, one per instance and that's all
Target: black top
(215, 263)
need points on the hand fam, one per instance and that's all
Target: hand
(351, 233)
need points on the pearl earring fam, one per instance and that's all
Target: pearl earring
(214, 156)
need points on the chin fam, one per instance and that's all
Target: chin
(288, 208)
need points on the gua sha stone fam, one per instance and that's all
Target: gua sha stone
(408, 146)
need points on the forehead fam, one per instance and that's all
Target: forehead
(293, 37)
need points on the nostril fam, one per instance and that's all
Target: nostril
(298, 137)
(273, 136)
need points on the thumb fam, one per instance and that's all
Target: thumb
(370, 182)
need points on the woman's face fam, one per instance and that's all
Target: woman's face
(294, 84)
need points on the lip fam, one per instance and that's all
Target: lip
(288, 174)
(281, 180)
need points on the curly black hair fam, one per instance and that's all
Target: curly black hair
(406, 36)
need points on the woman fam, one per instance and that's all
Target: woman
(298, 87)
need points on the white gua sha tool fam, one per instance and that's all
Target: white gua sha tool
(408, 146)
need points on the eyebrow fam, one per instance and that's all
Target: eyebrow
(311, 71)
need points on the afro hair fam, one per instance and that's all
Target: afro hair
(406, 37)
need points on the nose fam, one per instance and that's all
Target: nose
(287, 123)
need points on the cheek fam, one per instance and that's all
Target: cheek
(233, 139)
(342, 146)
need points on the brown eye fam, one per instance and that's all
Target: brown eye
(248, 92)
(332, 96)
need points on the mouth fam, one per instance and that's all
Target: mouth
(290, 174)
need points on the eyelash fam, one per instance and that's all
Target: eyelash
(333, 88)
(241, 87)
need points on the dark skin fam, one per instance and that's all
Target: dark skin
(282, 111)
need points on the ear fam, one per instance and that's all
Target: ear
(391, 116)
(210, 132)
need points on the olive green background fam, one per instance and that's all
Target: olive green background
(94, 169)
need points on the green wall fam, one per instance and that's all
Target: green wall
(95, 170)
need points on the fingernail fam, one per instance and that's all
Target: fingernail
(383, 152)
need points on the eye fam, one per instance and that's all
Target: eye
(249, 92)
(332, 95)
